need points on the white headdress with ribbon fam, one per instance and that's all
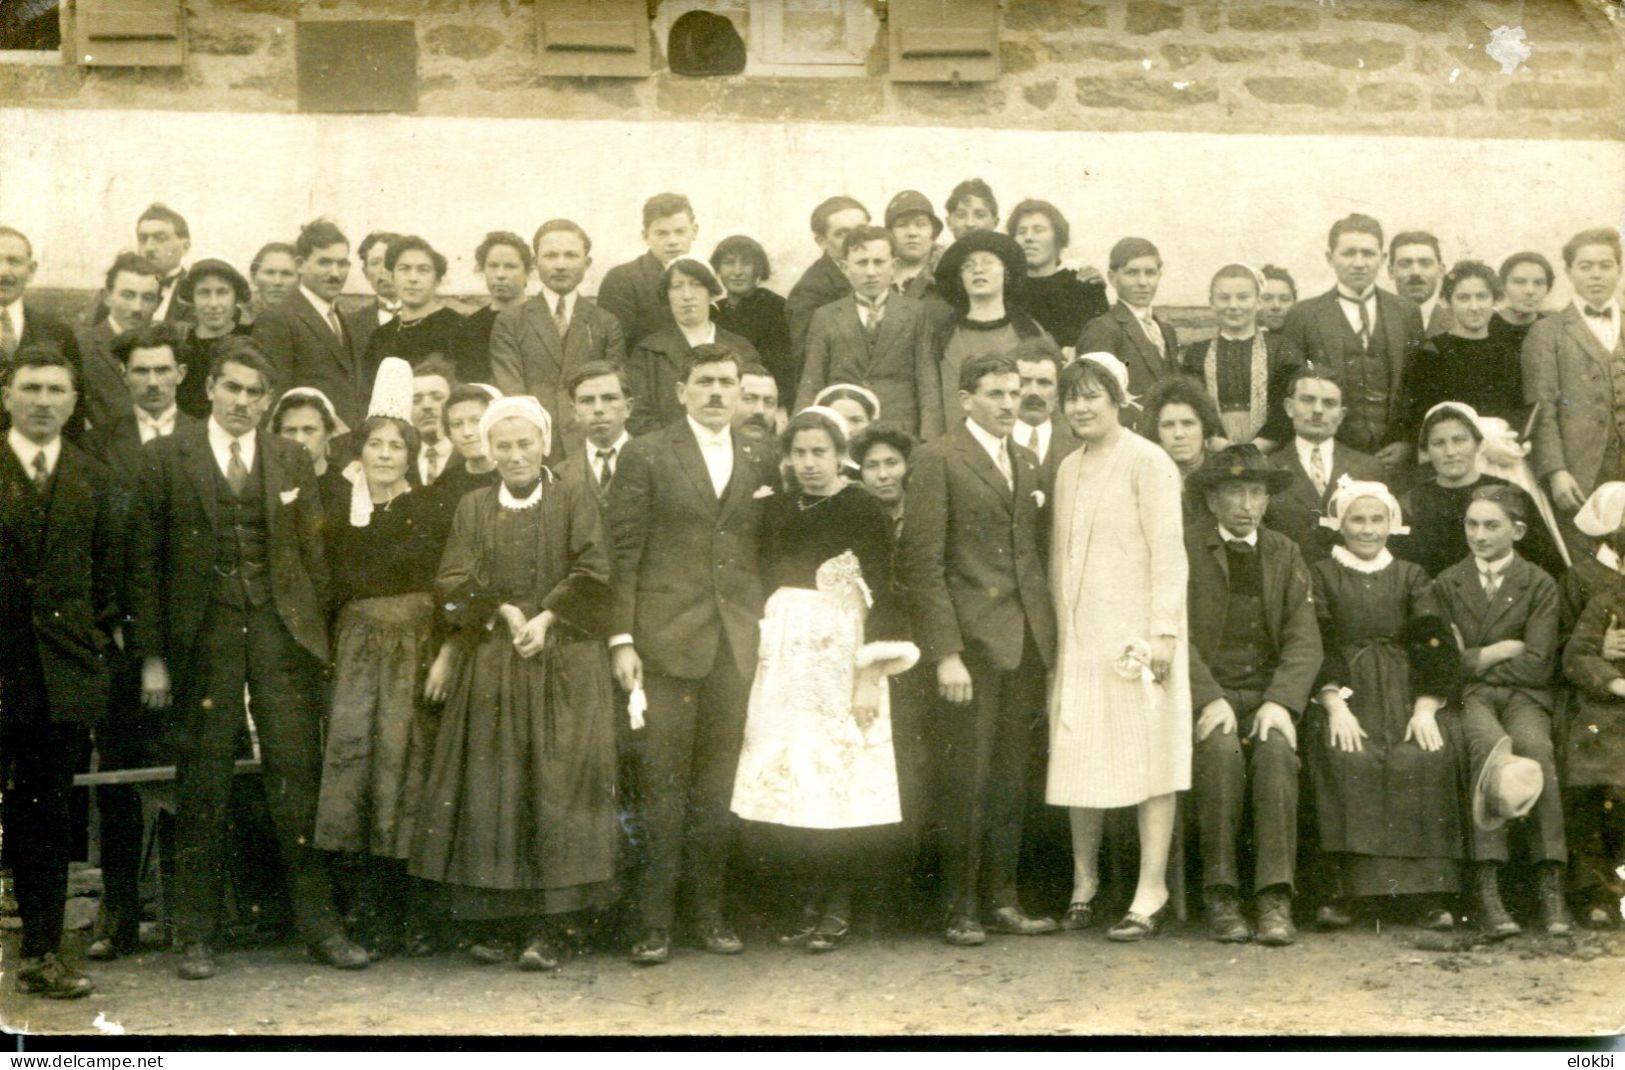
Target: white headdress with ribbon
(490, 390)
(868, 395)
(1116, 369)
(391, 397)
(830, 414)
(310, 393)
(1350, 491)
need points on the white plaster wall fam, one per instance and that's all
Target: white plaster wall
(74, 180)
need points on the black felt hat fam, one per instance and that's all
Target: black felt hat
(703, 43)
(981, 241)
(1241, 463)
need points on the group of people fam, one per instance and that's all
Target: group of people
(532, 611)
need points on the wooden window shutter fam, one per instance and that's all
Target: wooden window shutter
(943, 40)
(594, 38)
(129, 33)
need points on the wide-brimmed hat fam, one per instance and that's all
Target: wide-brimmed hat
(980, 241)
(1241, 463)
(1507, 787)
(911, 202)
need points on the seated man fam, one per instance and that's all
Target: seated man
(1315, 460)
(1255, 652)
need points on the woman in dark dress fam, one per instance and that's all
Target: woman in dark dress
(424, 324)
(519, 818)
(1526, 280)
(752, 311)
(1061, 299)
(1383, 748)
(1468, 363)
(382, 548)
(219, 296)
(817, 760)
(305, 416)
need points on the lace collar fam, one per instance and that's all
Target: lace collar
(506, 499)
(1346, 557)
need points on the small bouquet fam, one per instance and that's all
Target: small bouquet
(1133, 661)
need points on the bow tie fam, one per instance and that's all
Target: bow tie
(1598, 313)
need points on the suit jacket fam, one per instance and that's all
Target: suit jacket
(1566, 372)
(573, 470)
(174, 542)
(901, 369)
(361, 324)
(1119, 333)
(820, 284)
(70, 588)
(1296, 511)
(1062, 441)
(1525, 607)
(117, 444)
(972, 553)
(1289, 615)
(656, 367)
(1316, 330)
(1440, 319)
(304, 351)
(684, 571)
(631, 293)
(101, 376)
(529, 357)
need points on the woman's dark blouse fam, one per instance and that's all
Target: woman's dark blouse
(1512, 334)
(1062, 303)
(456, 480)
(1438, 539)
(759, 319)
(398, 552)
(441, 331)
(472, 353)
(191, 395)
(1482, 372)
(795, 541)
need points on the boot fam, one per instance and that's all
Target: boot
(1554, 907)
(1494, 920)
(1224, 921)
(1275, 928)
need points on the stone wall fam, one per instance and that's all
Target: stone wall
(1415, 67)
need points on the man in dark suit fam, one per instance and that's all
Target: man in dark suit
(1132, 331)
(131, 295)
(163, 238)
(600, 405)
(56, 623)
(1039, 424)
(685, 503)
(1255, 651)
(1365, 336)
(875, 339)
(304, 337)
(982, 614)
(631, 292)
(539, 347)
(129, 736)
(824, 281)
(384, 305)
(1315, 460)
(231, 590)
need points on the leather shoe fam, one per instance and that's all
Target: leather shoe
(830, 934)
(1014, 921)
(1275, 928)
(197, 962)
(1078, 916)
(965, 932)
(653, 949)
(338, 952)
(1554, 907)
(52, 978)
(718, 938)
(1332, 916)
(107, 948)
(1135, 927)
(1493, 920)
(1224, 921)
(538, 956)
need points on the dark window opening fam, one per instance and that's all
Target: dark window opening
(30, 25)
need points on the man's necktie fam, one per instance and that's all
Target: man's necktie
(1032, 438)
(333, 322)
(1492, 583)
(1597, 313)
(8, 336)
(605, 459)
(560, 320)
(41, 473)
(1153, 332)
(1004, 465)
(1365, 326)
(1317, 470)
(236, 473)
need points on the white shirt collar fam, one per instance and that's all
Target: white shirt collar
(1497, 567)
(708, 437)
(1045, 430)
(993, 446)
(1363, 298)
(150, 427)
(1250, 540)
(14, 312)
(220, 441)
(551, 298)
(1307, 449)
(1428, 306)
(323, 307)
(25, 449)
(703, 336)
(618, 445)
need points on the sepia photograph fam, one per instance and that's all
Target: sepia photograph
(724, 519)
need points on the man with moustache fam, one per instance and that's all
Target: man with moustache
(1416, 265)
(1315, 461)
(230, 595)
(503, 261)
(982, 615)
(1364, 337)
(540, 346)
(1255, 651)
(304, 337)
(757, 418)
(21, 324)
(133, 290)
(631, 292)
(163, 238)
(824, 281)
(685, 504)
(56, 625)
(384, 305)
(1049, 439)
(875, 339)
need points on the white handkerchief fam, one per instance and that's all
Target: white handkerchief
(636, 704)
(763, 491)
(289, 496)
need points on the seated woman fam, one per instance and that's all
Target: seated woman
(304, 415)
(1241, 365)
(1383, 759)
(519, 822)
(817, 759)
(1181, 418)
(655, 365)
(382, 547)
(1454, 444)
(220, 298)
(469, 469)
(751, 310)
(1526, 281)
(1467, 364)
(983, 278)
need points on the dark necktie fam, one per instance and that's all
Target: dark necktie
(42, 474)
(605, 459)
(1365, 326)
(1598, 313)
(236, 473)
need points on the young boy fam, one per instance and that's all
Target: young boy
(1240, 366)
(1504, 611)
(1131, 331)
(631, 292)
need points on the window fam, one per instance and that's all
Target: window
(818, 38)
(31, 31)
